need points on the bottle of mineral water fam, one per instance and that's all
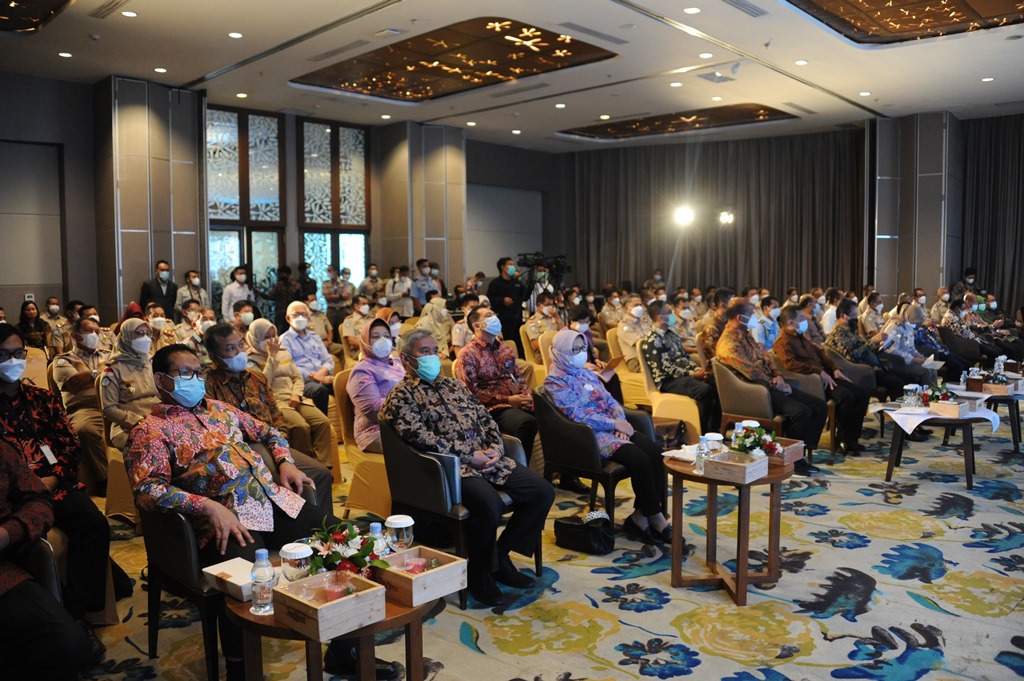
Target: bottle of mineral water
(702, 454)
(263, 580)
(380, 542)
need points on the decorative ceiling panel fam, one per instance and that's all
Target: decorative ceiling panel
(28, 16)
(684, 121)
(456, 58)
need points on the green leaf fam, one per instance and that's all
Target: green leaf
(378, 563)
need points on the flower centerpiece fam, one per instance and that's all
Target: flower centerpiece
(343, 547)
(939, 392)
(756, 442)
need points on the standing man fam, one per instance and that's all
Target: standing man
(399, 292)
(192, 290)
(309, 354)
(506, 296)
(338, 293)
(423, 284)
(368, 287)
(160, 289)
(306, 283)
(60, 327)
(235, 291)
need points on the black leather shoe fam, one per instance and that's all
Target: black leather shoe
(97, 650)
(802, 468)
(573, 485)
(850, 450)
(484, 590)
(634, 531)
(917, 436)
(341, 660)
(665, 534)
(510, 575)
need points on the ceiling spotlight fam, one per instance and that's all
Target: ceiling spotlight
(471, 124)
(517, 132)
(726, 218)
(559, 106)
(241, 95)
(66, 55)
(987, 80)
(683, 216)
(129, 14)
(801, 62)
(705, 55)
(865, 93)
(160, 69)
(604, 117)
(676, 84)
(386, 117)
(234, 35)
(716, 99)
(691, 10)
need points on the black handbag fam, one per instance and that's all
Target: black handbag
(591, 533)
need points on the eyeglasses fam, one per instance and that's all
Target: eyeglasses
(20, 353)
(143, 334)
(189, 373)
(577, 349)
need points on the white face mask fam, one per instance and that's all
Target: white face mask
(854, 299)
(755, 299)
(373, 274)
(205, 325)
(775, 313)
(663, 297)
(698, 298)
(381, 348)
(395, 328)
(590, 299)
(444, 314)
(686, 313)
(922, 300)
(879, 307)
(615, 302)
(821, 300)
(142, 345)
(364, 310)
(945, 297)
(158, 323)
(993, 305)
(240, 278)
(313, 306)
(576, 300)
(247, 318)
(299, 323)
(382, 302)
(970, 280)
(794, 299)
(12, 370)
(54, 309)
(194, 281)
(581, 326)
(637, 311)
(90, 341)
(425, 271)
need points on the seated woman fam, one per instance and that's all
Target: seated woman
(581, 319)
(390, 315)
(309, 431)
(371, 380)
(434, 318)
(127, 389)
(34, 329)
(579, 394)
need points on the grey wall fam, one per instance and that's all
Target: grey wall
(49, 111)
(501, 222)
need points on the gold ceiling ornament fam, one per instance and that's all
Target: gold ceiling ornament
(455, 58)
(28, 16)
(680, 122)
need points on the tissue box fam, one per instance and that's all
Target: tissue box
(733, 466)
(412, 590)
(997, 388)
(296, 606)
(792, 450)
(955, 409)
(233, 577)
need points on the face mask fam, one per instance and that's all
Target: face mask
(542, 276)
(970, 280)
(381, 348)
(12, 370)
(425, 271)
(657, 277)
(854, 299)
(346, 276)
(373, 274)
(590, 299)
(579, 359)
(980, 307)
(801, 328)
(755, 299)
(686, 314)
(615, 302)
(686, 296)
(142, 345)
(993, 305)
(95, 318)
(299, 323)
(775, 313)
(663, 297)
(698, 298)
(752, 322)
(54, 309)
(205, 325)
(878, 308)
(510, 270)
(382, 302)
(188, 392)
(576, 300)
(158, 323)
(313, 306)
(240, 278)
(247, 318)
(428, 367)
(434, 272)
(90, 341)
(922, 300)
(164, 276)
(364, 309)
(945, 297)
(492, 326)
(237, 363)
(333, 276)
(581, 326)
(794, 299)
(194, 281)
(853, 324)
(672, 319)
(637, 311)
(3, 321)
(817, 308)
(395, 328)
(821, 300)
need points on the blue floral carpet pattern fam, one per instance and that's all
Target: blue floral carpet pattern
(918, 578)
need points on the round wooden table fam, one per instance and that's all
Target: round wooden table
(735, 583)
(255, 627)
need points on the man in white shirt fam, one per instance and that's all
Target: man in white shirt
(235, 291)
(309, 354)
(828, 318)
(399, 292)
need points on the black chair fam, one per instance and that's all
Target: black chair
(428, 485)
(966, 348)
(39, 561)
(570, 448)
(172, 554)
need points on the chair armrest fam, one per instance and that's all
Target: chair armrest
(427, 480)
(514, 449)
(38, 560)
(809, 383)
(171, 544)
(641, 422)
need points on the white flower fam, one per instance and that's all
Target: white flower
(766, 438)
(757, 452)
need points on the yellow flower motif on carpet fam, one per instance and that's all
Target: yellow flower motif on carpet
(753, 635)
(788, 526)
(979, 593)
(571, 628)
(982, 469)
(898, 525)
(866, 468)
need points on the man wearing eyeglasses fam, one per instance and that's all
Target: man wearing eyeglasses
(309, 354)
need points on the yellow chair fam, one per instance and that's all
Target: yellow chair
(120, 500)
(545, 348)
(369, 487)
(667, 405)
(539, 371)
(634, 391)
(35, 367)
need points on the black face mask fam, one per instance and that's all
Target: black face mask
(853, 324)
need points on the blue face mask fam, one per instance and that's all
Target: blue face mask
(578, 359)
(492, 326)
(752, 322)
(672, 319)
(188, 392)
(801, 328)
(428, 367)
(510, 270)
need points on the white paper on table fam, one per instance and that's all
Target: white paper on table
(932, 363)
(876, 407)
(686, 453)
(909, 421)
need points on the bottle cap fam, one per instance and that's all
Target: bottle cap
(399, 521)
(261, 554)
(296, 551)
(374, 528)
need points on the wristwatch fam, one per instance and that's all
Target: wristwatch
(95, 373)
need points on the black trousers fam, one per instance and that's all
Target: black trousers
(320, 476)
(38, 637)
(88, 552)
(643, 459)
(702, 393)
(319, 393)
(533, 497)
(517, 423)
(803, 416)
(851, 407)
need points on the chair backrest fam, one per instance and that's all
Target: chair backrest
(613, 342)
(346, 410)
(565, 442)
(35, 367)
(645, 371)
(408, 325)
(809, 383)
(964, 347)
(428, 481)
(859, 374)
(739, 396)
(50, 382)
(40, 562)
(545, 347)
(699, 342)
(530, 356)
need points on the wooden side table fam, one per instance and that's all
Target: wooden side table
(254, 627)
(735, 583)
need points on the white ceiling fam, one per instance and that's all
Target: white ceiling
(283, 39)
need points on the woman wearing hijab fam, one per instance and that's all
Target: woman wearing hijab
(434, 318)
(133, 311)
(391, 316)
(579, 394)
(371, 380)
(127, 389)
(309, 430)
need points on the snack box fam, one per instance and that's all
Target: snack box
(954, 409)
(998, 388)
(792, 450)
(233, 577)
(413, 589)
(732, 466)
(302, 606)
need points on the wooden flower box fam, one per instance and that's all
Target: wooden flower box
(997, 388)
(792, 450)
(302, 606)
(954, 409)
(975, 385)
(732, 466)
(414, 589)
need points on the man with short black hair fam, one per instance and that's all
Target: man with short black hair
(243, 316)
(969, 284)
(352, 327)
(60, 327)
(192, 289)
(545, 319)
(160, 288)
(506, 296)
(828, 317)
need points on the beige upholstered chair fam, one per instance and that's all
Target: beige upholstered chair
(634, 391)
(667, 405)
(369, 487)
(742, 400)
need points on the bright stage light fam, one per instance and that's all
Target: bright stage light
(683, 216)
(726, 218)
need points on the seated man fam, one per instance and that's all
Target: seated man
(243, 316)
(205, 319)
(799, 355)
(672, 369)
(352, 327)
(164, 332)
(230, 380)
(461, 333)
(488, 368)
(995, 332)
(32, 421)
(955, 320)
(803, 416)
(870, 321)
(845, 340)
(767, 329)
(828, 317)
(38, 638)
(437, 414)
(713, 330)
(684, 326)
(927, 342)
(900, 331)
(189, 313)
(634, 327)
(309, 354)
(60, 327)
(540, 322)
(941, 306)
(75, 375)
(808, 306)
(612, 312)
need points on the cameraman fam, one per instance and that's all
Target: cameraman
(506, 296)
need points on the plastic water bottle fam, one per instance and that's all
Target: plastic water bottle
(702, 454)
(380, 542)
(263, 580)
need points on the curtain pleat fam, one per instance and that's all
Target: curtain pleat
(798, 206)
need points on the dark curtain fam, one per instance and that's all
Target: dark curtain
(994, 205)
(798, 204)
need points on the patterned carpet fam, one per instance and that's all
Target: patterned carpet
(914, 579)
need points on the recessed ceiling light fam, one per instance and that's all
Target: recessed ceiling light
(989, 79)
(705, 55)
(241, 95)
(865, 93)
(517, 132)
(676, 84)
(801, 62)
(160, 69)
(604, 117)
(471, 124)
(628, 27)
(559, 106)
(129, 14)
(1013, 37)
(716, 99)
(386, 117)
(691, 10)
(66, 55)
(235, 35)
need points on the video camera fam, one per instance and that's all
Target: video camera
(557, 265)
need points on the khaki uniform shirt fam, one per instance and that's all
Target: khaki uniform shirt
(352, 327)
(127, 395)
(630, 331)
(611, 314)
(67, 365)
(60, 333)
(536, 326)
